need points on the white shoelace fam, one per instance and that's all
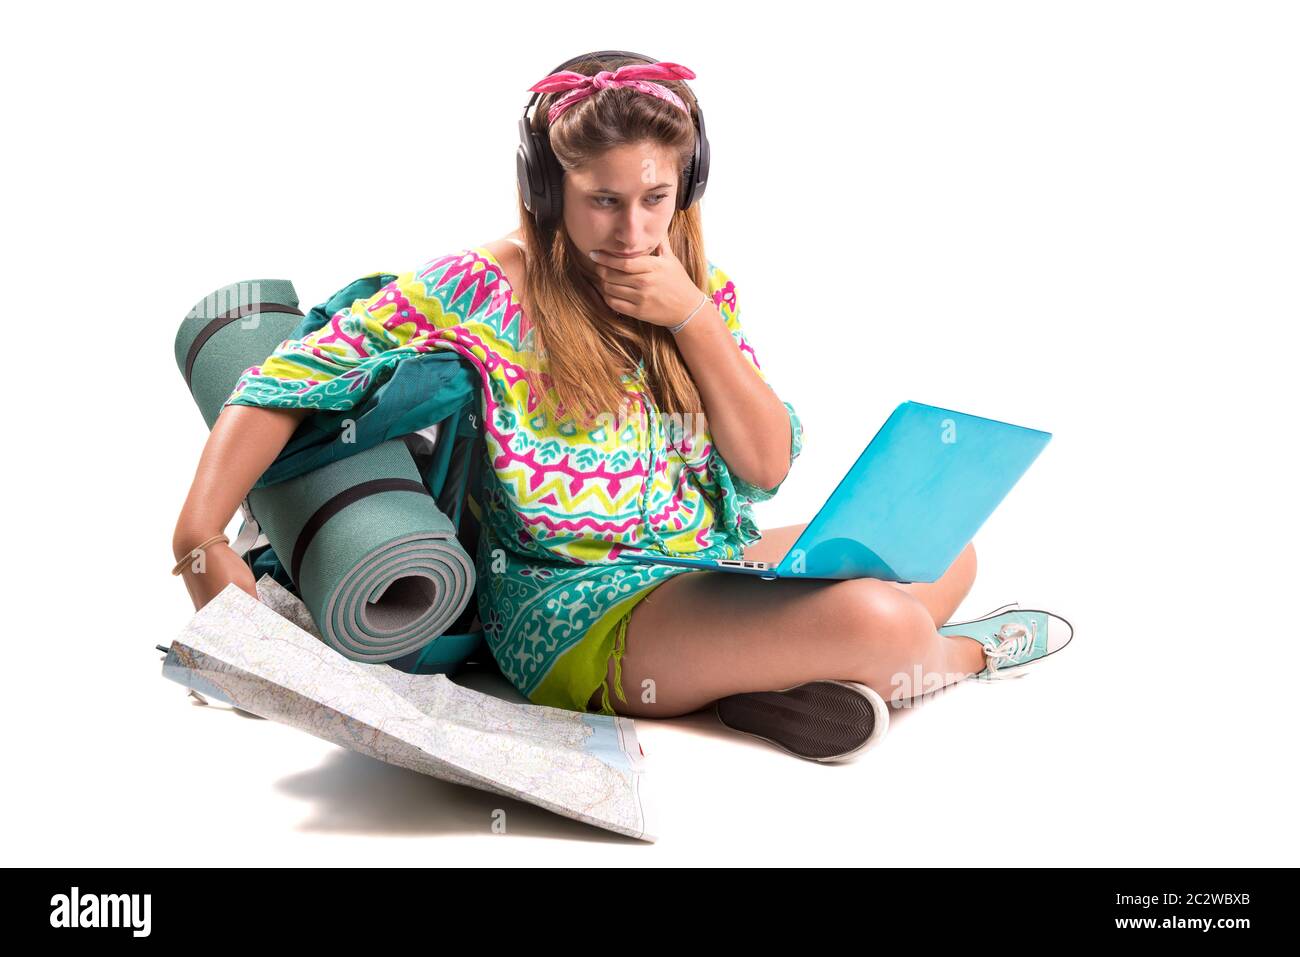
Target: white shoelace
(1014, 640)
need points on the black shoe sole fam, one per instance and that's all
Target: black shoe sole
(826, 720)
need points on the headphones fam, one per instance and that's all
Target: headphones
(541, 178)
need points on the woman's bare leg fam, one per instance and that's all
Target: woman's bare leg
(704, 635)
(942, 597)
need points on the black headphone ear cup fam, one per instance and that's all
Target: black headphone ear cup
(554, 186)
(696, 176)
(700, 164)
(536, 170)
(530, 184)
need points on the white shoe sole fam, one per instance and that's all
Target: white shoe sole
(828, 720)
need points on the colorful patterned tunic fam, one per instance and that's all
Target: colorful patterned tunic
(559, 507)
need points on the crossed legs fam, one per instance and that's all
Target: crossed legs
(704, 635)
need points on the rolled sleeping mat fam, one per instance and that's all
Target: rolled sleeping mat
(375, 561)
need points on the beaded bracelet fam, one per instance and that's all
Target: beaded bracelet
(193, 553)
(678, 328)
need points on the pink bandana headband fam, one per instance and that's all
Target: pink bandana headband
(634, 75)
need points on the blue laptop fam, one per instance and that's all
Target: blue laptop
(917, 494)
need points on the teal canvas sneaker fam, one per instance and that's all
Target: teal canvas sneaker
(1013, 637)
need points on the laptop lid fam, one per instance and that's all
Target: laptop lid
(917, 494)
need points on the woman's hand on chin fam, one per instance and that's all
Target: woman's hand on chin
(655, 289)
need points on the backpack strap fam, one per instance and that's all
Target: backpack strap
(250, 533)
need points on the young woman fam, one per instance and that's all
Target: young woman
(624, 409)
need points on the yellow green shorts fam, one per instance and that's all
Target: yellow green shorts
(584, 668)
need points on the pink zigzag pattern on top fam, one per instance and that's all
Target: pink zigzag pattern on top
(727, 295)
(574, 525)
(483, 291)
(577, 478)
(357, 343)
(678, 502)
(406, 313)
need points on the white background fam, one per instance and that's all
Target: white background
(1077, 217)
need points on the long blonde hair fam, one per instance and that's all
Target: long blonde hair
(586, 348)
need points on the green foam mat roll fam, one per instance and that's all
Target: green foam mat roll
(375, 561)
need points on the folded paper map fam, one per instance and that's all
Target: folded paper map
(267, 657)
